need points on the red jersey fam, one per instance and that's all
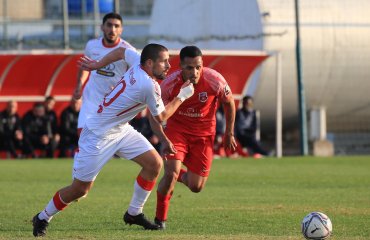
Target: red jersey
(197, 114)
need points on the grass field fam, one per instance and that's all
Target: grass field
(243, 199)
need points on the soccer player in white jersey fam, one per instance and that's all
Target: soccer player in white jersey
(104, 79)
(107, 133)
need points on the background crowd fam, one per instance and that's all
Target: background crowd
(42, 133)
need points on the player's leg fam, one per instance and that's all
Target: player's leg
(87, 165)
(172, 173)
(198, 162)
(137, 148)
(58, 202)
(165, 189)
(194, 181)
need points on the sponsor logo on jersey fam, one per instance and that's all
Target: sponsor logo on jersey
(191, 112)
(107, 70)
(203, 96)
(105, 73)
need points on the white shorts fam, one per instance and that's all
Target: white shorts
(95, 151)
(85, 112)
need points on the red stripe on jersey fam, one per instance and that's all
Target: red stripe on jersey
(119, 114)
(145, 184)
(59, 204)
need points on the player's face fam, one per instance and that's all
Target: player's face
(112, 30)
(161, 66)
(192, 69)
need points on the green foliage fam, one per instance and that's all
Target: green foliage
(243, 199)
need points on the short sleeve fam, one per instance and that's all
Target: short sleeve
(87, 51)
(224, 93)
(132, 57)
(153, 99)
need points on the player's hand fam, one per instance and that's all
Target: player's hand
(168, 148)
(88, 64)
(229, 142)
(186, 91)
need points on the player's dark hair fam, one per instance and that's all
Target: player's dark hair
(190, 51)
(112, 15)
(151, 51)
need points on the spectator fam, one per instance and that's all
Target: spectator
(11, 134)
(68, 128)
(219, 150)
(50, 114)
(246, 127)
(37, 132)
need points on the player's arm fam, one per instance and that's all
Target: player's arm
(186, 91)
(117, 54)
(168, 147)
(82, 77)
(229, 109)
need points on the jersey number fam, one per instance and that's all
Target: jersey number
(117, 90)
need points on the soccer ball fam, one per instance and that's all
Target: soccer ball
(316, 225)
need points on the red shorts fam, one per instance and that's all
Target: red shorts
(195, 152)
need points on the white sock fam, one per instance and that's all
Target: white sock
(49, 211)
(138, 200)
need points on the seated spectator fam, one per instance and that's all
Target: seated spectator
(50, 114)
(141, 124)
(37, 132)
(246, 127)
(68, 128)
(11, 134)
(218, 148)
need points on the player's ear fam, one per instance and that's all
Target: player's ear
(149, 62)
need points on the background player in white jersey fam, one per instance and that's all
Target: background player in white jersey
(104, 79)
(107, 133)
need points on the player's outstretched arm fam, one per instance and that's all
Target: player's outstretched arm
(88, 64)
(168, 147)
(186, 91)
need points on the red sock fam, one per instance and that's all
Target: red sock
(58, 202)
(182, 172)
(145, 184)
(163, 203)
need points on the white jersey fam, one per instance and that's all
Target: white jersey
(136, 91)
(102, 81)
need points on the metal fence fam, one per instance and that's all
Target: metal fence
(67, 24)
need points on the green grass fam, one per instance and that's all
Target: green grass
(243, 199)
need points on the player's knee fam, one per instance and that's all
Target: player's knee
(195, 187)
(156, 166)
(81, 192)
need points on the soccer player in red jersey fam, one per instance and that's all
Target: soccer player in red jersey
(192, 127)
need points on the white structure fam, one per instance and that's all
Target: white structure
(335, 51)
